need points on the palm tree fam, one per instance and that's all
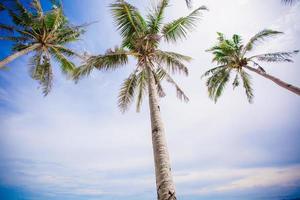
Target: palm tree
(140, 39)
(230, 55)
(44, 33)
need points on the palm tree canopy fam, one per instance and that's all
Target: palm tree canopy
(49, 30)
(231, 58)
(141, 37)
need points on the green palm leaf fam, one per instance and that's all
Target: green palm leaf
(179, 28)
(247, 85)
(260, 37)
(127, 92)
(155, 18)
(172, 61)
(141, 88)
(127, 18)
(163, 74)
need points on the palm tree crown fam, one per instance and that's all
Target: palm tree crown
(230, 55)
(140, 39)
(45, 33)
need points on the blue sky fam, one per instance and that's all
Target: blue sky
(75, 144)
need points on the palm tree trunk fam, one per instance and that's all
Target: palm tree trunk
(164, 181)
(279, 82)
(17, 54)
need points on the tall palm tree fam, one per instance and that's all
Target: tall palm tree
(46, 33)
(140, 40)
(231, 57)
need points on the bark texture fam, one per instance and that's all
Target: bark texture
(16, 55)
(279, 82)
(164, 181)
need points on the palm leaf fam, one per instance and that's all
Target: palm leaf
(158, 78)
(172, 61)
(213, 70)
(217, 82)
(155, 18)
(163, 74)
(188, 3)
(36, 4)
(42, 72)
(127, 92)
(111, 60)
(142, 87)
(259, 37)
(127, 18)
(178, 28)
(247, 85)
(276, 57)
(66, 66)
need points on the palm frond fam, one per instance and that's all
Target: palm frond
(247, 85)
(289, 1)
(17, 39)
(66, 65)
(188, 3)
(213, 70)
(111, 60)
(5, 27)
(36, 4)
(236, 81)
(42, 72)
(179, 28)
(83, 70)
(262, 35)
(163, 74)
(19, 14)
(217, 82)
(276, 57)
(141, 87)
(127, 92)
(155, 18)
(158, 78)
(54, 20)
(127, 18)
(172, 61)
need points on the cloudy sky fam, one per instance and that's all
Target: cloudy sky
(75, 144)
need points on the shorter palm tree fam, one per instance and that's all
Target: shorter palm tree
(44, 33)
(230, 55)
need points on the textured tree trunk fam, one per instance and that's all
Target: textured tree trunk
(164, 181)
(279, 82)
(17, 54)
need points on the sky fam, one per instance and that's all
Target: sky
(76, 144)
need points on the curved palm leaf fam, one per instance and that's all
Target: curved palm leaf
(276, 57)
(172, 61)
(260, 37)
(179, 28)
(155, 19)
(127, 91)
